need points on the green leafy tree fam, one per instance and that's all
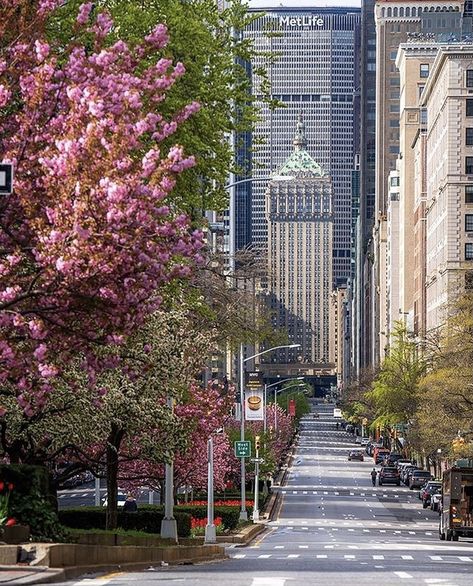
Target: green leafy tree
(445, 410)
(395, 391)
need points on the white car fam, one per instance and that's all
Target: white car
(121, 498)
(365, 441)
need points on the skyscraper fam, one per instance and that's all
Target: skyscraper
(300, 233)
(315, 74)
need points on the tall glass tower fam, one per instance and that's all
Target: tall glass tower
(316, 75)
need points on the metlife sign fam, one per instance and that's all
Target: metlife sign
(304, 21)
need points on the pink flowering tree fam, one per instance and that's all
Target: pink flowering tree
(203, 413)
(87, 240)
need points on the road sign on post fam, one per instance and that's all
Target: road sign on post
(6, 178)
(243, 449)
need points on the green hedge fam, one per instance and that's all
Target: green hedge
(147, 519)
(31, 502)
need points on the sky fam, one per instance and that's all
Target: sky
(303, 3)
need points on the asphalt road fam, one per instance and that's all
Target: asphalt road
(333, 528)
(84, 496)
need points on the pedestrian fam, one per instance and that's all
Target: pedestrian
(373, 476)
(130, 505)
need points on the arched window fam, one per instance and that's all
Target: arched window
(401, 11)
(414, 11)
(408, 11)
(383, 12)
(395, 11)
(389, 12)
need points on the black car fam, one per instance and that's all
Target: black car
(389, 474)
(355, 455)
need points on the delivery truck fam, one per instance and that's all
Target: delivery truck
(456, 517)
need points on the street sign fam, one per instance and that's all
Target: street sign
(257, 460)
(243, 449)
(6, 178)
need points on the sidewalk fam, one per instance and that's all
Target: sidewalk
(16, 575)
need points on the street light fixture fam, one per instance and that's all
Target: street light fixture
(266, 387)
(243, 511)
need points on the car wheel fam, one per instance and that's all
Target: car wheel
(442, 536)
(448, 536)
(424, 505)
(454, 536)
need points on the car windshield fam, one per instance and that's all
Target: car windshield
(420, 473)
(389, 469)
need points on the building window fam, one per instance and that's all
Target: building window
(469, 78)
(468, 193)
(424, 70)
(469, 222)
(469, 107)
(469, 251)
(469, 136)
(469, 165)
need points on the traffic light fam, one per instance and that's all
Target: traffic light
(257, 442)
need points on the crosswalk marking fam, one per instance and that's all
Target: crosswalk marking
(407, 557)
(293, 555)
(403, 575)
(464, 558)
(436, 558)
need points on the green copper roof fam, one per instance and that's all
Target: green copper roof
(300, 161)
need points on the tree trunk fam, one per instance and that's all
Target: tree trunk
(113, 448)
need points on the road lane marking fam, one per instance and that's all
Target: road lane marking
(303, 547)
(264, 556)
(464, 558)
(279, 546)
(435, 558)
(268, 581)
(407, 557)
(404, 575)
(293, 555)
(378, 557)
(321, 556)
(239, 556)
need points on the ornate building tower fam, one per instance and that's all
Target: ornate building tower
(299, 212)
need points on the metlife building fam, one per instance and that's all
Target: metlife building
(316, 74)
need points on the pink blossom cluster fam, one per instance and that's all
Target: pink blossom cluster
(206, 411)
(87, 238)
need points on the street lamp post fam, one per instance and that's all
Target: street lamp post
(210, 532)
(279, 382)
(169, 524)
(243, 511)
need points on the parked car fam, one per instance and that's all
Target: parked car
(430, 489)
(372, 446)
(389, 474)
(358, 439)
(380, 454)
(435, 501)
(393, 458)
(427, 488)
(364, 441)
(355, 455)
(401, 463)
(418, 478)
(405, 473)
(349, 428)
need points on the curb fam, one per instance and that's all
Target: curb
(48, 575)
